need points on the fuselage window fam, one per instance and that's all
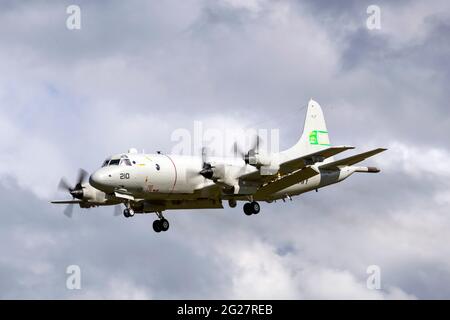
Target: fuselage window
(157, 167)
(114, 162)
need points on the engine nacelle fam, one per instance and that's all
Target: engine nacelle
(93, 196)
(259, 159)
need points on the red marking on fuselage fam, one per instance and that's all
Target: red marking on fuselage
(176, 173)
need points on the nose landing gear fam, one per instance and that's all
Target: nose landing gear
(251, 208)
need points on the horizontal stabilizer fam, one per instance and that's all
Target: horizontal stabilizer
(287, 181)
(319, 156)
(351, 160)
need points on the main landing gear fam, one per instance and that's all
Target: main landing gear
(128, 212)
(161, 224)
(251, 208)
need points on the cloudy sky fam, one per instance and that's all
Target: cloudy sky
(137, 71)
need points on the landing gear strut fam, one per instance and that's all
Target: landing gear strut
(251, 208)
(161, 224)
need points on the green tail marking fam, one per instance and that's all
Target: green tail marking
(318, 137)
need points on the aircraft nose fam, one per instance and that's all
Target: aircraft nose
(99, 179)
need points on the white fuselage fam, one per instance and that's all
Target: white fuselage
(152, 175)
(160, 176)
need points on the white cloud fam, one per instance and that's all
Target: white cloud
(253, 6)
(416, 161)
(117, 288)
(33, 161)
(408, 23)
(257, 272)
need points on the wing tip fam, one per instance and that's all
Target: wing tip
(65, 201)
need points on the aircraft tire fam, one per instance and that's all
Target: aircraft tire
(126, 213)
(157, 227)
(248, 209)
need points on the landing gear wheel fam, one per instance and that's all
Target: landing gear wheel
(248, 209)
(232, 203)
(128, 213)
(255, 207)
(251, 208)
(164, 224)
(157, 225)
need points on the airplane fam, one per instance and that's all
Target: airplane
(154, 183)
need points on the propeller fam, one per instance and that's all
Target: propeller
(254, 150)
(76, 192)
(207, 169)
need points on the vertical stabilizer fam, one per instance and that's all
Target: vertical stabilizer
(315, 134)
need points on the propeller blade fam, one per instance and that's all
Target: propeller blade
(82, 174)
(64, 185)
(256, 143)
(237, 151)
(204, 154)
(117, 211)
(68, 211)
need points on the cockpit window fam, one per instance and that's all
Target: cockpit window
(114, 162)
(125, 162)
(105, 163)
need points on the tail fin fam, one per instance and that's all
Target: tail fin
(315, 134)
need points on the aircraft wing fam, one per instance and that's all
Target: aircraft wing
(209, 189)
(319, 156)
(351, 160)
(287, 181)
(65, 201)
(293, 165)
